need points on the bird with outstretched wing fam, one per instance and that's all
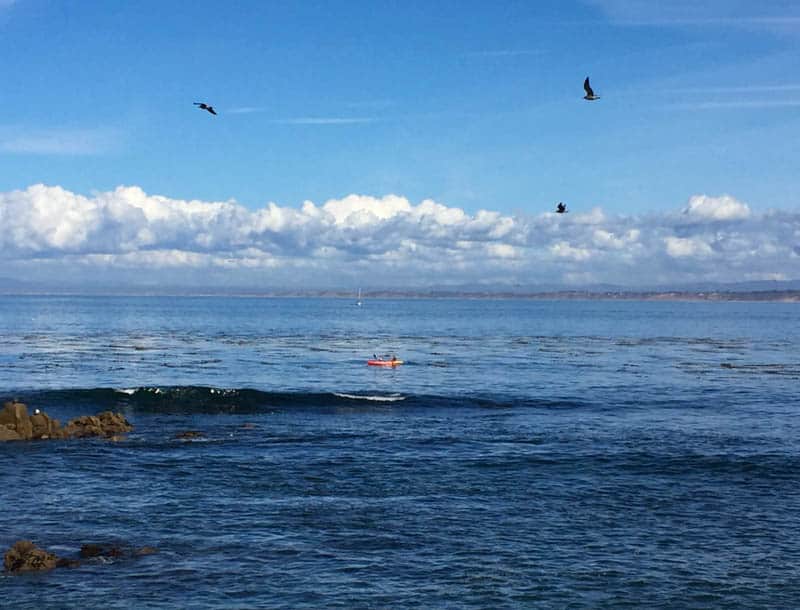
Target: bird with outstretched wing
(204, 106)
(589, 92)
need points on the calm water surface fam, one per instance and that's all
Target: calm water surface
(528, 454)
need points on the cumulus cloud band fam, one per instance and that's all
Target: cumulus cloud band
(392, 241)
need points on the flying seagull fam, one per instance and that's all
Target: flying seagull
(561, 208)
(589, 93)
(205, 107)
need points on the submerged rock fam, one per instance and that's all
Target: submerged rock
(114, 551)
(16, 424)
(98, 550)
(189, 434)
(25, 556)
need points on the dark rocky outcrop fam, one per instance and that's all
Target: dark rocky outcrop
(16, 424)
(189, 434)
(106, 423)
(9, 434)
(43, 427)
(98, 550)
(25, 556)
(113, 551)
(14, 418)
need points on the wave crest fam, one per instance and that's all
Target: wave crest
(205, 399)
(390, 398)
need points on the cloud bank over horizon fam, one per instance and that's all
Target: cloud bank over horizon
(127, 236)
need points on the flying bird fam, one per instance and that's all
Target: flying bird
(203, 106)
(589, 93)
(561, 208)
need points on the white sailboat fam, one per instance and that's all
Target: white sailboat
(359, 302)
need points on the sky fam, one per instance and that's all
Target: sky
(399, 144)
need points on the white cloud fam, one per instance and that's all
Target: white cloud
(592, 217)
(680, 247)
(564, 249)
(503, 251)
(355, 210)
(606, 239)
(325, 121)
(718, 13)
(716, 208)
(736, 105)
(58, 141)
(245, 110)
(772, 88)
(49, 232)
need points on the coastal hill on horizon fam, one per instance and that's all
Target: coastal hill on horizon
(782, 291)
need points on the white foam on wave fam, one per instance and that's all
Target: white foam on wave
(132, 391)
(391, 398)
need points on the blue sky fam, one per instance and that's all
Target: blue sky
(474, 105)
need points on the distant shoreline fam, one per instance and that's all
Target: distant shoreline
(772, 296)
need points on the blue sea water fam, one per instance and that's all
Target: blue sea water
(597, 454)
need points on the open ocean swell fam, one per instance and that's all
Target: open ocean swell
(573, 454)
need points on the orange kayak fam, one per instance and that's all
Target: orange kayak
(384, 362)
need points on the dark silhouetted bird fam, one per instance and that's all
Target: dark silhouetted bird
(203, 106)
(561, 208)
(589, 93)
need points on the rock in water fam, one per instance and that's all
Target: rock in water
(190, 434)
(25, 556)
(7, 434)
(14, 416)
(43, 427)
(98, 550)
(16, 424)
(102, 424)
(91, 550)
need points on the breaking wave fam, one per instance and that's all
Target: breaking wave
(204, 399)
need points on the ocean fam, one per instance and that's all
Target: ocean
(565, 454)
